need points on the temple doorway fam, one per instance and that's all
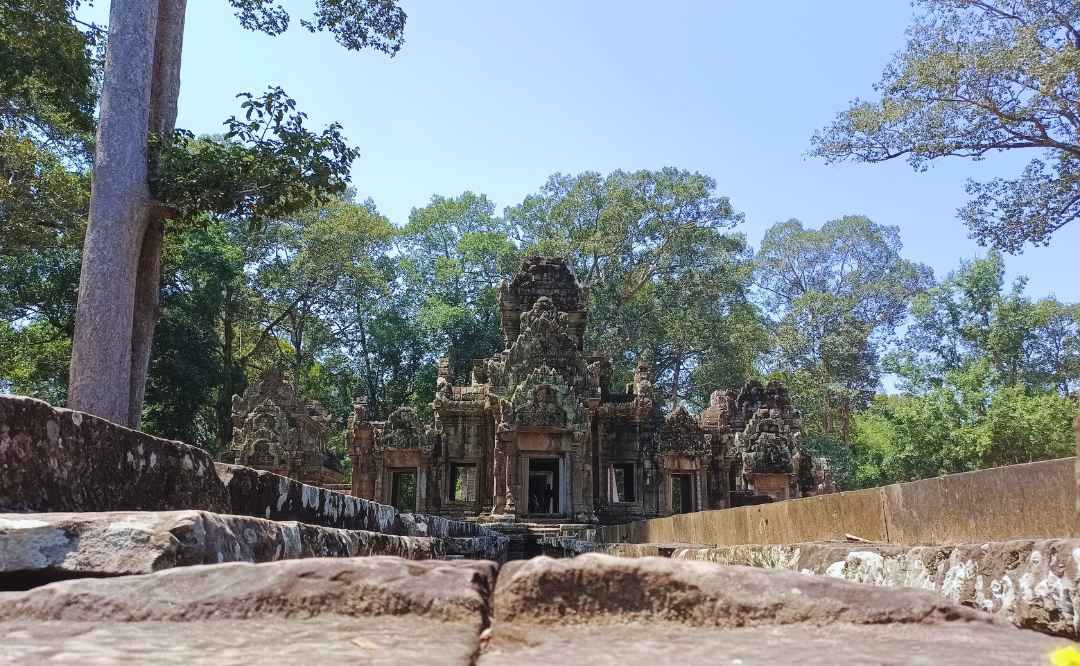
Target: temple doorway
(403, 490)
(682, 493)
(544, 486)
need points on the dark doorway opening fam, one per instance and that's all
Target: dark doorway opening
(543, 486)
(403, 490)
(624, 481)
(682, 493)
(462, 482)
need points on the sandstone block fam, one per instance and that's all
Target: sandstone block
(1033, 583)
(364, 610)
(37, 548)
(609, 610)
(61, 460)
(259, 493)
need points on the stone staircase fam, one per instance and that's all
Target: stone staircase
(526, 538)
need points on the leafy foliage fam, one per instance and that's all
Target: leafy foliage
(836, 296)
(665, 276)
(455, 253)
(47, 81)
(268, 164)
(980, 76)
(355, 24)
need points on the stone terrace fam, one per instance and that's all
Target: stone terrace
(113, 544)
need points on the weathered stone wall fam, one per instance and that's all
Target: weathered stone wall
(60, 460)
(1030, 501)
(57, 460)
(1035, 584)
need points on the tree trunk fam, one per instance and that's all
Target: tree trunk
(100, 375)
(121, 264)
(164, 94)
(675, 381)
(224, 401)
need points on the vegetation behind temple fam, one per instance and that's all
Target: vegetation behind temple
(350, 304)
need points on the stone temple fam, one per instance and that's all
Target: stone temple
(540, 433)
(274, 430)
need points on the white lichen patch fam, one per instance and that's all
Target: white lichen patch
(283, 494)
(52, 431)
(31, 544)
(309, 497)
(290, 537)
(957, 575)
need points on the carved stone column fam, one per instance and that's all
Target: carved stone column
(510, 446)
(361, 449)
(498, 481)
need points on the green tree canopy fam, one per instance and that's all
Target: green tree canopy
(979, 76)
(836, 296)
(971, 317)
(666, 277)
(455, 252)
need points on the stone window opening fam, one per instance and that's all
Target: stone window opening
(403, 489)
(624, 482)
(462, 482)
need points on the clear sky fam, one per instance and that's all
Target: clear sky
(495, 95)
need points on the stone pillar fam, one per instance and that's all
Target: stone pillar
(512, 476)
(498, 481)
(361, 452)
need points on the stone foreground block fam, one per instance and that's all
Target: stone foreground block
(363, 610)
(1033, 583)
(60, 460)
(36, 548)
(597, 608)
(609, 610)
(358, 587)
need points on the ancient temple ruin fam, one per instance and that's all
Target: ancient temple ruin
(539, 433)
(274, 430)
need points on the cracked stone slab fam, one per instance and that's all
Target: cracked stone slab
(367, 610)
(611, 610)
(37, 548)
(61, 460)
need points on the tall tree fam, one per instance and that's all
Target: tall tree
(664, 274)
(456, 253)
(971, 317)
(47, 83)
(979, 76)
(119, 283)
(836, 295)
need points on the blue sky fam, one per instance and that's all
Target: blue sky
(493, 96)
